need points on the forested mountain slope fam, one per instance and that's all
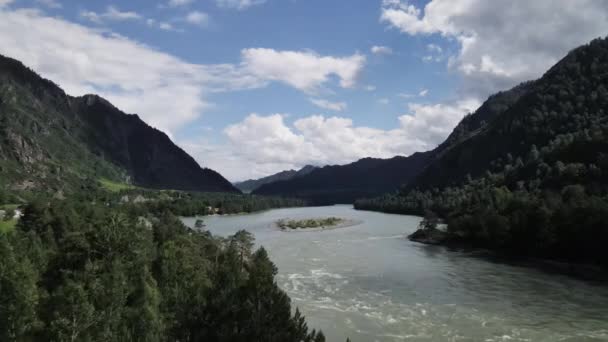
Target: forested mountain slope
(534, 179)
(371, 177)
(54, 142)
(344, 183)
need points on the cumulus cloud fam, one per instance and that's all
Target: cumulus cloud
(501, 43)
(304, 70)
(238, 4)
(166, 91)
(335, 106)
(381, 50)
(82, 60)
(261, 145)
(112, 14)
(197, 18)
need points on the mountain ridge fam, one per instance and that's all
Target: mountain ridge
(252, 184)
(344, 183)
(349, 182)
(54, 141)
(531, 182)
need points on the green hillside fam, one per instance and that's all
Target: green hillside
(55, 143)
(534, 178)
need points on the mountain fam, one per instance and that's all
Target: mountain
(566, 102)
(530, 178)
(54, 142)
(372, 177)
(252, 184)
(345, 183)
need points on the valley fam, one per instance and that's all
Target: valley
(369, 283)
(421, 220)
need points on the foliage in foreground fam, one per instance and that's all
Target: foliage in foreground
(82, 272)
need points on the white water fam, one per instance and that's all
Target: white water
(369, 283)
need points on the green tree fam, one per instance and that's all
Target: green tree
(19, 295)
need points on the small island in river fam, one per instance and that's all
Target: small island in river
(315, 224)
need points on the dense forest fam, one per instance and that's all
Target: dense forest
(100, 255)
(79, 271)
(532, 180)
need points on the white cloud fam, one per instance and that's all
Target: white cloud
(370, 88)
(197, 18)
(4, 3)
(501, 43)
(335, 106)
(434, 48)
(306, 71)
(421, 93)
(163, 25)
(406, 95)
(166, 91)
(261, 145)
(430, 124)
(381, 50)
(238, 4)
(435, 54)
(112, 14)
(383, 101)
(50, 3)
(178, 3)
(431, 58)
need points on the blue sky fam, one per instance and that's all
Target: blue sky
(252, 87)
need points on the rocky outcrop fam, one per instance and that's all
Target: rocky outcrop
(429, 236)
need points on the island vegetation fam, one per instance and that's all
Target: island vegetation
(309, 223)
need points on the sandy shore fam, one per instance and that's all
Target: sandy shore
(345, 223)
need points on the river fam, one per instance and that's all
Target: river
(369, 283)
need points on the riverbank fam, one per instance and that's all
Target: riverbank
(584, 271)
(369, 283)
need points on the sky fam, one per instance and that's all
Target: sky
(254, 87)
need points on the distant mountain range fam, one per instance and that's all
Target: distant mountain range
(372, 177)
(252, 184)
(50, 141)
(54, 141)
(504, 128)
(345, 183)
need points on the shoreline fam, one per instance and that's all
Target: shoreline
(345, 223)
(578, 270)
